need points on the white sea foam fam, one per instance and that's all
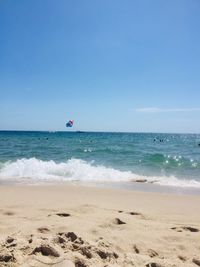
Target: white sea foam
(174, 181)
(71, 170)
(34, 170)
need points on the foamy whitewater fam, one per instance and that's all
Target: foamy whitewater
(162, 159)
(34, 170)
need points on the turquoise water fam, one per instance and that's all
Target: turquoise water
(164, 159)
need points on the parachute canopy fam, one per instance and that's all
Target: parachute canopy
(69, 123)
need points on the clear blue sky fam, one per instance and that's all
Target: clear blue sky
(110, 65)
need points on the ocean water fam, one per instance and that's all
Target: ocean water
(171, 160)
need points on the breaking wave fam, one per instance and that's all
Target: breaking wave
(34, 171)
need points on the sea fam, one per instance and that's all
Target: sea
(136, 161)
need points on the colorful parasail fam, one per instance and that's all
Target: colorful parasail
(69, 123)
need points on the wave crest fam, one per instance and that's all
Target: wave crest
(71, 170)
(34, 170)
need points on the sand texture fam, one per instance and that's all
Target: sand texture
(83, 226)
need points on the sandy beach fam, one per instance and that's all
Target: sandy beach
(66, 225)
(99, 133)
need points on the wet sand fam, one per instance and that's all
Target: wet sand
(65, 225)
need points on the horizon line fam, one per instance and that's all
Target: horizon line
(63, 131)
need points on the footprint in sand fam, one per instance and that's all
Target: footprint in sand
(43, 230)
(60, 214)
(86, 251)
(72, 236)
(6, 257)
(107, 255)
(9, 239)
(134, 213)
(137, 214)
(182, 258)
(185, 228)
(136, 249)
(152, 253)
(59, 240)
(46, 250)
(118, 221)
(30, 239)
(63, 214)
(196, 261)
(80, 263)
(9, 213)
(10, 242)
(153, 264)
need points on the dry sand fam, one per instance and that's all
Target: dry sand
(82, 226)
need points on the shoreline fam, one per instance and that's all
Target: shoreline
(129, 186)
(97, 227)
